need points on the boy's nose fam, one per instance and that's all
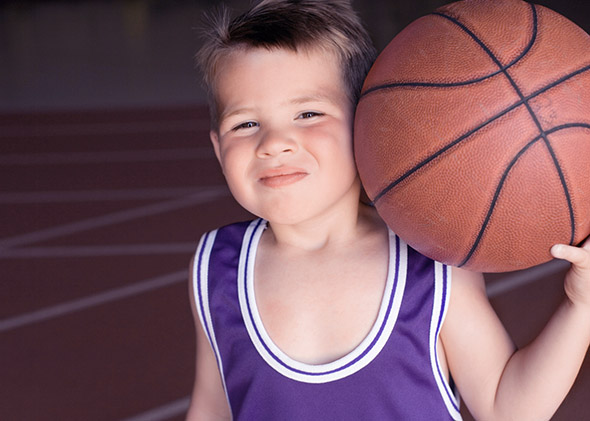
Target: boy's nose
(274, 143)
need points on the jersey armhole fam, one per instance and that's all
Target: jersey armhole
(442, 293)
(200, 284)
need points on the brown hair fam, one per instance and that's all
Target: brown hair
(331, 25)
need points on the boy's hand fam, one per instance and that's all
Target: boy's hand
(577, 279)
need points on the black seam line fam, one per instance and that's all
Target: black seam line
(472, 131)
(535, 121)
(467, 82)
(505, 176)
(529, 109)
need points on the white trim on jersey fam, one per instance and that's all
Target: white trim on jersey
(201, 296)
(362, 355)
(442, 291)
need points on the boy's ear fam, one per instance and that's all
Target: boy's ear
(214, 136)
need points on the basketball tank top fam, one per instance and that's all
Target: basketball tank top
(394, 374)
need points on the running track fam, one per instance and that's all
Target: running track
(100, 212)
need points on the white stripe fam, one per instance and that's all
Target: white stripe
(113, 218)
(201, 269)
(107, 128)
(164, 412)
(524, 277)
(321, 373)
(443, 386)
(93, 251)
(66, 196)
(200, 272)
(84, 303)
(99, 157)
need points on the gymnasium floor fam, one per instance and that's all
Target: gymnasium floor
(107, 184)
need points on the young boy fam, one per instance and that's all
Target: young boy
(316, 311)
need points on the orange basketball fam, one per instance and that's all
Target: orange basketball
(472, 135)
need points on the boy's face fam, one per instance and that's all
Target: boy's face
(285, 134)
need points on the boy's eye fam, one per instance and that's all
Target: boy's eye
(246, 125)
(309, 114)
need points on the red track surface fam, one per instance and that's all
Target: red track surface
(99, 215)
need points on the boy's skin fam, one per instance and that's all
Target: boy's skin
(285, 147)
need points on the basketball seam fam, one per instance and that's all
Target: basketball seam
(524, 100)
(505, 176)
(542, 132)
(461, 138)
(461, 83)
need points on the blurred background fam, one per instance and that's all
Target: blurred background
(107, 182)
(72, 54)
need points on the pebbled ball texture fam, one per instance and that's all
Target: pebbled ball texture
(472, 134)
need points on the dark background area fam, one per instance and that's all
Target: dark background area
(126, 53)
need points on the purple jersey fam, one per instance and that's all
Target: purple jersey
(394, 374)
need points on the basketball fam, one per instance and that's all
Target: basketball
(472, 134)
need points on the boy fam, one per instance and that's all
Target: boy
(316, 310)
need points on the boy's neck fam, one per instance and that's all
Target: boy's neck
(336, 229)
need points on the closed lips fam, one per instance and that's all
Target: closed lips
(281, 176)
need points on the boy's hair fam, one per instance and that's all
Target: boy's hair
(330, 25)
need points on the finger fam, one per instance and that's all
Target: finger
(576, 255)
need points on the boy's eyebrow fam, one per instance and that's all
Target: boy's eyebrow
(237, 111)
(312, 98)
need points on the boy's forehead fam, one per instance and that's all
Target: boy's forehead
(260, 57)
(307, 57)
(300, 77)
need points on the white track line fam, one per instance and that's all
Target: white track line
(112, 218)
(96, 251)
(99, 157)
(164, 412)
(518, 279)
(65, 196)
(108, 296)
(107, 128)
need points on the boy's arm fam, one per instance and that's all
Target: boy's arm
(498, 383)
(208, 400)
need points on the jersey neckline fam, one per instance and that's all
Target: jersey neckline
(345, 366)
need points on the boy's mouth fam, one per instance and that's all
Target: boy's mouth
(279, 177)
